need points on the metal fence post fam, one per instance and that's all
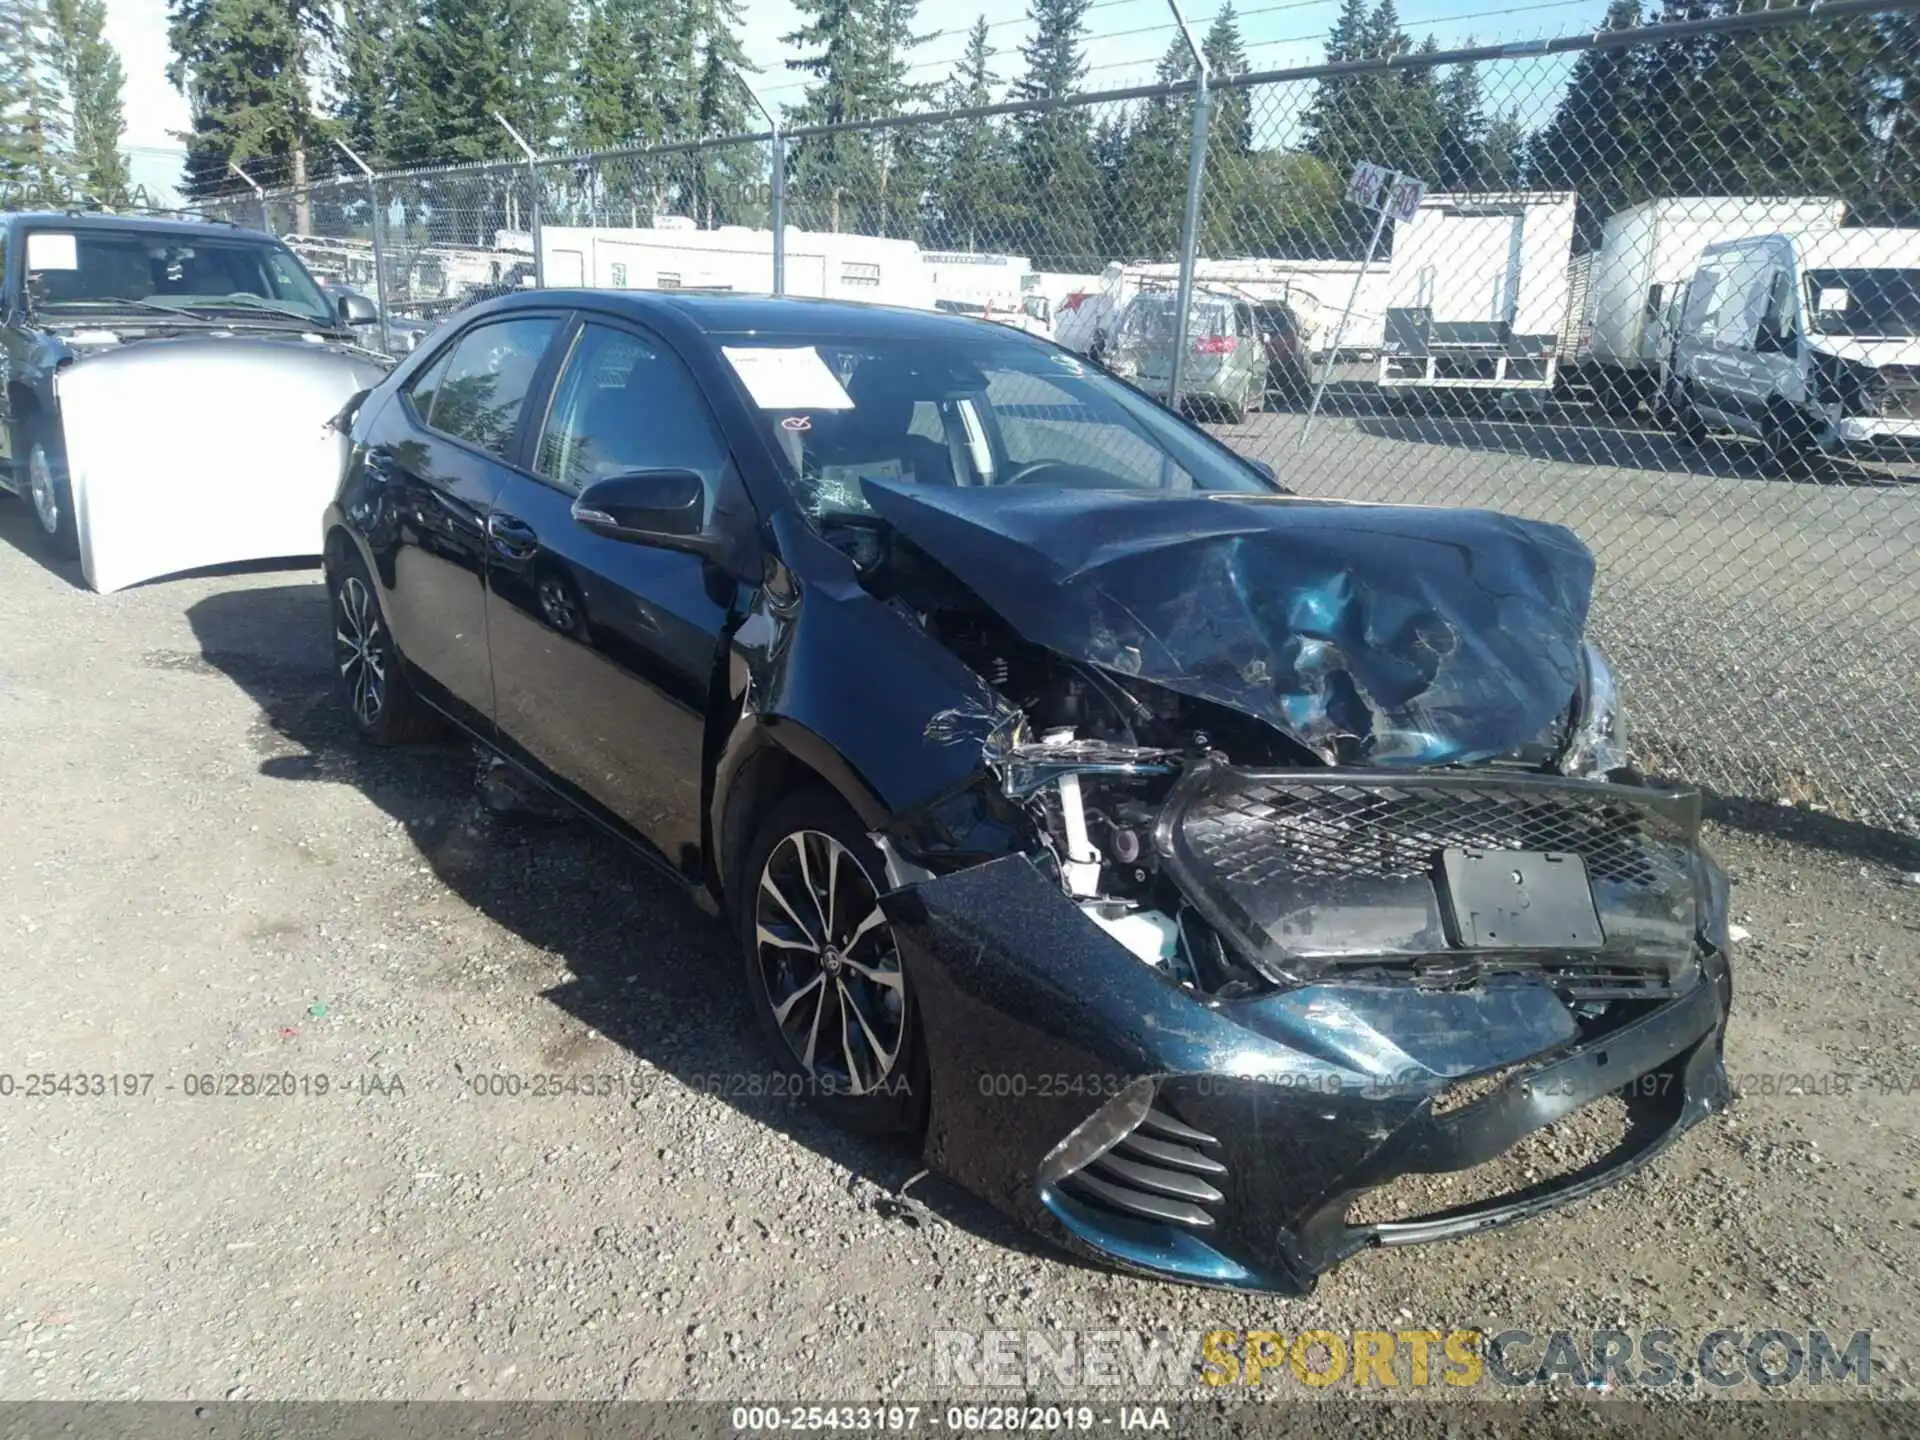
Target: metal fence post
(266, 215)
(1190, 219)
(777, 183)
(533, 197)
(373, 230)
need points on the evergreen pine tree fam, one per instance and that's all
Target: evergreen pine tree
(1059, 185)
(971, 184)
(1465, 162)
(245, 67)
(33, 164)
(91, 76)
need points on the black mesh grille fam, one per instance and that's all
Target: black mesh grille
(1268, 828)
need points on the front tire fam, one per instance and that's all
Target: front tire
(50, 491)
(381, 704)
(824, 973)
(1791, 444)
(1685, 420)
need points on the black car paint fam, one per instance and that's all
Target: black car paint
(1316, 1092)
(767, 664)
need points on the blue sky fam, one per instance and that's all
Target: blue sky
(1126, 38)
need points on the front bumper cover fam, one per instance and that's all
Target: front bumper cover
(1272, 1113)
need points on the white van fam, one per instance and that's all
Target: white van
(1809, 343)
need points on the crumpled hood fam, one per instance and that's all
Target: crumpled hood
(1388, 635)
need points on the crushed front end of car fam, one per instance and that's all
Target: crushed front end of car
(1301, 886)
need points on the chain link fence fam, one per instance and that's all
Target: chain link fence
(1656, 289)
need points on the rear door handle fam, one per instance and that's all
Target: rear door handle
(511, 535)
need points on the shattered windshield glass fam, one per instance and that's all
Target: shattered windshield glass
(95, 270)
(983, 414)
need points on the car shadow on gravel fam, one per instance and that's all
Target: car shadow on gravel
(650, 970)
(1800, 825)
(20, 529)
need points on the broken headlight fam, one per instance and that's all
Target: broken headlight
(1599, 742)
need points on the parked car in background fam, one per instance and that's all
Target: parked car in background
(1226, 363)
(1807, 342)
(1024, 731)
(168, 387)
(1286, 347)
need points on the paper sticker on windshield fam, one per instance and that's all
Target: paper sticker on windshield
(1832, 300)
(49, 250)
(787, 379)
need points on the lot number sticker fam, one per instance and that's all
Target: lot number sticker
(49, 250)
(787, 379)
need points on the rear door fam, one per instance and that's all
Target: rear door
(436, 459)
(604, 651)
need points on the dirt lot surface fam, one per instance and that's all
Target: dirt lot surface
(203, 875)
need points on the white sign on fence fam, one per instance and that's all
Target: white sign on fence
(1375, 187)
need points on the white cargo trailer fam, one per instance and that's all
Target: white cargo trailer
(1477, 292)
(1647, 250)
(680, 257)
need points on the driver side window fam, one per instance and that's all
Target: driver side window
(622, 405)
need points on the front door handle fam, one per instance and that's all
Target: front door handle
(511, 536)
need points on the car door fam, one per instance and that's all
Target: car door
(604, 650)
(1735, 382)
(437, 458)
(1696, 357)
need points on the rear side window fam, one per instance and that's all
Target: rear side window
(477, 397)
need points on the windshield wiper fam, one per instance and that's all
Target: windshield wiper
(123, 302)
(252, 305)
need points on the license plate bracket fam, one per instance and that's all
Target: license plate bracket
(1518, 900)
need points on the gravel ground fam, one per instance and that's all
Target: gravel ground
(203, 874)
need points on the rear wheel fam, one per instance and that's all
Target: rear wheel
(823, 971)
(49, 490)
(367, 669)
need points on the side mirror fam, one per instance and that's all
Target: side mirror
(650, 507)
(356, 309)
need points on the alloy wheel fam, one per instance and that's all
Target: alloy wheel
(46, 497)
(360, 649)
(830, 964)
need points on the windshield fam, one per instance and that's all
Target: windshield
(1876, 303)
(1149, 320)
(97, 270)
(981, 412)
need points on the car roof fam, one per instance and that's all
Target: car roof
(144, 224)
(766, 315)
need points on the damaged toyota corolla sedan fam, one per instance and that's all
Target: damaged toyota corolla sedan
(1190, 865)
